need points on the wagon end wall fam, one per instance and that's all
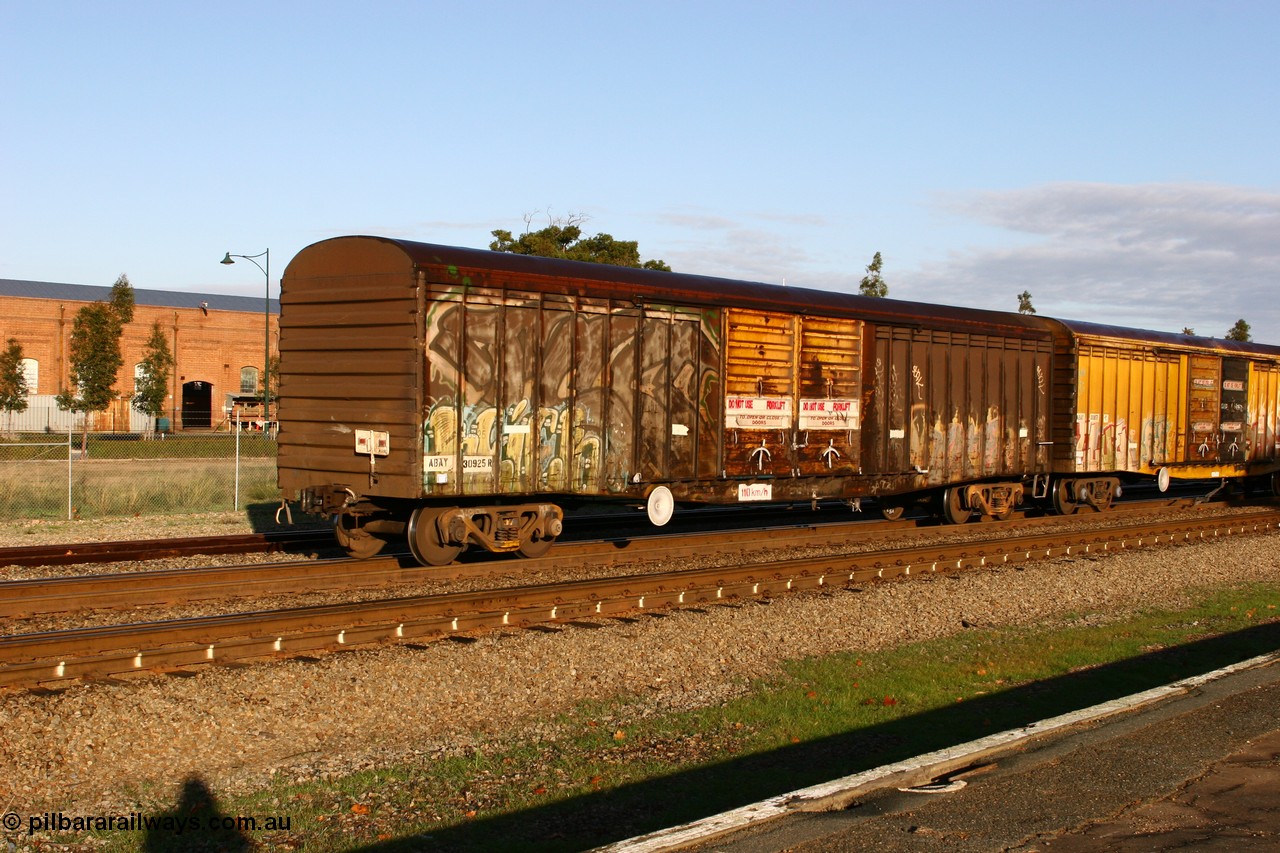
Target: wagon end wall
(351, 368)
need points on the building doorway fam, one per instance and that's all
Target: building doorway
(197, 405)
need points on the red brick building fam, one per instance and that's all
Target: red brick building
(218, 344)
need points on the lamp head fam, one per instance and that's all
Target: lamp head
(227, 259)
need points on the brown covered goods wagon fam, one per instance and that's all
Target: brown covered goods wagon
(463, 397)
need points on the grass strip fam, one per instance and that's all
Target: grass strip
(610, 774)
(128, 446)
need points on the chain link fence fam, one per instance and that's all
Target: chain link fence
(70, 472)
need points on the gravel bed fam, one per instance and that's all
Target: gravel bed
(58, 531)
(129, 745)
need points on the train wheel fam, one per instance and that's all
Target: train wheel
(535, 547)
(356, 541)
(953, 509)
(425, 543)
(893, 512)
(1062, 502)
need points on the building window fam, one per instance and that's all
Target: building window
(139, 374)
(31, 370)
(248, 380)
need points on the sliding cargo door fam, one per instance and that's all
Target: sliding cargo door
(667, 390)
(1203, 413)
(1218, 406)
(760, 392)
(463, 358)
(793, 389)
(647, 395)
(1233, 411)
(910, 424)
(587, 473)
(554, 425)
(951, 407)
(829, 413)
(532, 392)
(1264, 406)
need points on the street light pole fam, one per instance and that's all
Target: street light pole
(266, 312)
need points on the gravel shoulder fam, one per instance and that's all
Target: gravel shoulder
(41, 531)
(128, 745)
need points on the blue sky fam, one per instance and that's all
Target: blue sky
(1119, 160)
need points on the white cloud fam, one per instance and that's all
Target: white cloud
(718, 245)
(1152, 256)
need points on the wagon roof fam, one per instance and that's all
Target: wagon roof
(1170, 340)
(487, 267)
(672, 287)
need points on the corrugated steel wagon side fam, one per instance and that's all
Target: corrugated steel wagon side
(458, 396)
(1162, 405)
(959, 408)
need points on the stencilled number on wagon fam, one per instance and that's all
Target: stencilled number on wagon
(437, 464)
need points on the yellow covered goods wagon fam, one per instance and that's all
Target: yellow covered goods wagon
(1133, 402)
(461, 397)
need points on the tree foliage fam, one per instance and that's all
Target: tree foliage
(873, 283)
(94, 350)
(1024, 303)
(153, 380)
(1239, 332)
(122, 301)
(13, 379)
(562, 238)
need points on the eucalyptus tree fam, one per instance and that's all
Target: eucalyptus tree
(562, 238)
(873, 283)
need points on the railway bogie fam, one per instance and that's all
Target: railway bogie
(437, 535)
(1072, 494)
(458, 398)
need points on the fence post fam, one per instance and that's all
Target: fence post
(236, 508)
(71, 428)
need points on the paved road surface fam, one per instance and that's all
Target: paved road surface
(1198, 772)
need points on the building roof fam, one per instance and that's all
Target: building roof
(141, 296)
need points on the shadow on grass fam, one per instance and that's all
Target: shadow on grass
(196, 823)
(589, 821)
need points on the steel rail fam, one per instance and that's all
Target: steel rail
(35, 596)
(156, 549)
(173, 586)
(74, 553)
(96, 652)
(129, 590)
